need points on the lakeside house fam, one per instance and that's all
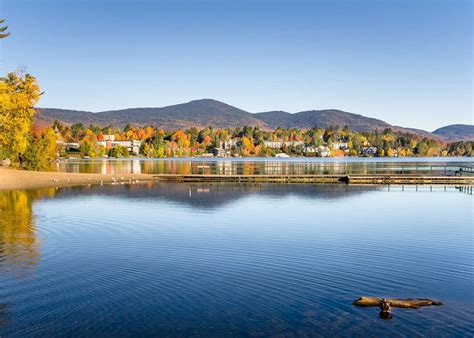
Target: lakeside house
(368, 151)
(229, 144)
(228, 148)
(67, 146)
(293, 143)
(273, 144)
(133, 146)
(280, 144)
(340, 146)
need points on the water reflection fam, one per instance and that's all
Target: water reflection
(385, 315)
(3, 314)
(19, 245)
(211, 196)
(170, 259)
(219, 195)
(262, 166)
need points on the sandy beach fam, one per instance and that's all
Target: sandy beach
(22, 179)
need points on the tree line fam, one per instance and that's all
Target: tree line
(252, 141)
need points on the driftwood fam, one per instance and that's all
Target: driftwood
(409, 303)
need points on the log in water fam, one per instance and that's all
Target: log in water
(409, 303)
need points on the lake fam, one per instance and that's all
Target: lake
(166, 259)
(258, 166)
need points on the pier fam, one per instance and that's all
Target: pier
(465, 170)
(380, 179)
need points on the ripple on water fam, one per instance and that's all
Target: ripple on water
(115, 265)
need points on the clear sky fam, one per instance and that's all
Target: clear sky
(407, 62)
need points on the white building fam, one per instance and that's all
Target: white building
(293, 143)
(279, 144)
(133, 146)
(71, 146)
(273, 144)
(340, 145)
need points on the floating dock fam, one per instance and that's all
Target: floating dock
(321, 179)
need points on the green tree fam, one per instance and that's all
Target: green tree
(118, 152)
(91, 148)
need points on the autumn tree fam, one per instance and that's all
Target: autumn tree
(118, 152)
(42, 150)
(90, 147)
(18, 96)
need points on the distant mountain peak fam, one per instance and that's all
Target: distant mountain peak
(456, 132)
(201, 113)
(205, 100)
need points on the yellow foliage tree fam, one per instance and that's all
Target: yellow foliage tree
(248, 146)
(18, 96)
(41, 151)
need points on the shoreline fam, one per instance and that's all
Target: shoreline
(282, 159)
(13, 179)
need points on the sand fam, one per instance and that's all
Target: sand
(22, 179)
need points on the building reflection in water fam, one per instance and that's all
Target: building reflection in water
(249, 167)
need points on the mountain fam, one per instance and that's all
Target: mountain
(207, 112)
(321, 118)
(198, 113)
(456, 132)
(46, 116)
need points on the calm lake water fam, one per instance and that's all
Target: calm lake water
(257, 166)
(171, 259)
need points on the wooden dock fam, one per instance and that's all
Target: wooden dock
(410, 179)
(465, 170)
(321, 179)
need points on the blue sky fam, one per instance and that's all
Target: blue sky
(406, 62)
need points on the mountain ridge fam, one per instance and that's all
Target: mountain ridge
(456, 132)
(208, 112)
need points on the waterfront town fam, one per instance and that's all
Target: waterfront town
(31, 145)
(80, 141)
